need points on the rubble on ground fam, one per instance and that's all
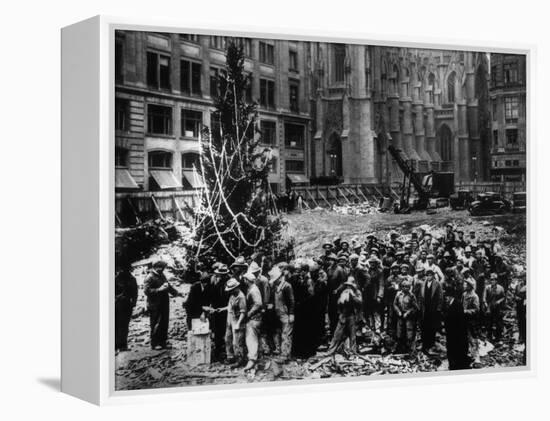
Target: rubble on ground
(142, 367)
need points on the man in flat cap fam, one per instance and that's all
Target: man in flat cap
(157, 289)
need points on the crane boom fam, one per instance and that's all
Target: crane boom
(423, 194)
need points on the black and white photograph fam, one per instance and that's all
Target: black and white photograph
(295, 210)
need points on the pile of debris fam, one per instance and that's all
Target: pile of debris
(356, 209)
(370, 365)
(135, 243)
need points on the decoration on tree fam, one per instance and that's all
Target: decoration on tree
(237, 214)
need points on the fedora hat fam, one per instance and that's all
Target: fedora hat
(231, 285)
(239, 262)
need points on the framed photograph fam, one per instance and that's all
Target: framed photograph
(250, 209)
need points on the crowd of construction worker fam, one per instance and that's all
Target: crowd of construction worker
(417, 292)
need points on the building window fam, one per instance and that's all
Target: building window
(294, 89)
(511, 136)
(495, 110)
(511, 109)
(510, 72)
(121, 157)
(431, 86)
(406, 91)
(158, 71)
(191, 123)
(122, 114)
(451, 87)
(495, 164)
(269, 132)
(190, 160)
(339, 62)
(215, 127)
(267, 93)
(494, 75)
(293, 60)
(159, 119)
(267, 53)
(294, 166)
(274, 188)
(119, 60)
(190, 77)
(246, 45)
(294, 136)
(248, 89)
(273, 165)
(159, 159)
(508, 163)
(214, 88)
(217, 42)
(189, 37)
(495, 137)
(515, 163)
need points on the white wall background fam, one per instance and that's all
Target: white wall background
(30, 221)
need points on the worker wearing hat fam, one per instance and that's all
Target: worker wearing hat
(432, 306)
(236, 323)
(471, 304)
(349, 303)
(238, 269)
(254, 307)
(373, 293)
(336, 274)
(282, 297)
(218, 313)
(158, 290)
(405, 309)
(391, 286)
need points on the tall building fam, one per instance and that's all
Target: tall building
(165, 85)
(508, 117)
(327, 110)
(431, 104)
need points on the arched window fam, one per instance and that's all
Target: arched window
(339, 62)
(190, 160)
(445, 138)
(160, 159)
(406, 91)
(395, 79)
(451, 87)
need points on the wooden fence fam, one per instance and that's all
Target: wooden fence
(134, 208)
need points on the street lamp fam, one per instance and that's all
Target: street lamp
(474, 159)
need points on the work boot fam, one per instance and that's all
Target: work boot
(250, 365)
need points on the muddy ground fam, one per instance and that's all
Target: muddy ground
(143, 368)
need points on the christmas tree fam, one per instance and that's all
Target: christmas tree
(237, 216)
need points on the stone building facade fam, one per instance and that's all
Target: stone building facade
(431, 104)
(508, 117)
(327, 110)
(164, 94)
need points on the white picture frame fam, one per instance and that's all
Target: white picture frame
(88, 219)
